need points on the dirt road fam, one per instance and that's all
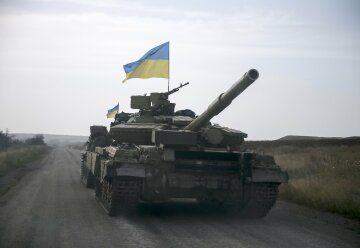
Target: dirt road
(51, 208)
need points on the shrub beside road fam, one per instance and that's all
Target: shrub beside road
(322, 175)
(15, 153)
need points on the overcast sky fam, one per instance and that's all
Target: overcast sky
(61, 62)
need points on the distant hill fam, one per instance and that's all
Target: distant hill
(299, 137)
(54, 139)
(303, 141)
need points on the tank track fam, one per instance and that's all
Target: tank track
(119, 195)
(87, 177)
(259, 198)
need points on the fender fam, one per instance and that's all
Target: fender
(268, 174)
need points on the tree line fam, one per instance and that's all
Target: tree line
(7, 140)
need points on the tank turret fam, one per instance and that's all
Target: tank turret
(156, 103)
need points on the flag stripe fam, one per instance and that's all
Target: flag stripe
(112, 112)
(160, 52)
(111, 115)
(150, 64)
(114, 108)
(150, 68)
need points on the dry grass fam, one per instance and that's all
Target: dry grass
(16, 157)
(326, 178)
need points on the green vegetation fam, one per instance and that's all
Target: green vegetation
(15, 153)
(324, 177)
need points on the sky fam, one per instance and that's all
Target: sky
(61, 62)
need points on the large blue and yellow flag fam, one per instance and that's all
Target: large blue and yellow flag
(112, 112)
(155, 63)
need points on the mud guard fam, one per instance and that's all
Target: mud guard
(273, 175)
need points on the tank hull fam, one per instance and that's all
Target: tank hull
(232, 179)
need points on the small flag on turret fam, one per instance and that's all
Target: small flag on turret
(112, 112)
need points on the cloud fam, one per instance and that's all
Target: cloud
(69, 56)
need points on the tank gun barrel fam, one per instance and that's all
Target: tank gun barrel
(223, 100)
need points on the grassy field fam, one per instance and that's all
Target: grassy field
(16, 157)
(323, 176)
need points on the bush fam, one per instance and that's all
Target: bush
(36, 140)
(15, 153)
(322, 177)
(16, 157)
(5, 140)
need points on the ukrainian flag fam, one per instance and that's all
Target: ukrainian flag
(155, 63)
(112, 112)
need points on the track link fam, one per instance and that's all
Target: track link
(259, 198)
(87, 177)
(119, 195)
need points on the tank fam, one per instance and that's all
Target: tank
(98, 138)
(158, 154)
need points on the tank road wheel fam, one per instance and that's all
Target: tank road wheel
(259, 198)
(87, 177)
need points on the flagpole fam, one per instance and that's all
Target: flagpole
(169, 70)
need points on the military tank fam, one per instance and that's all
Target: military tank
(98, 138)
(158, 154)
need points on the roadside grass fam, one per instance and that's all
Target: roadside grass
(325, 177)
(19, 156)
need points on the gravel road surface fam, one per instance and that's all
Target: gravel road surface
(50, 207)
